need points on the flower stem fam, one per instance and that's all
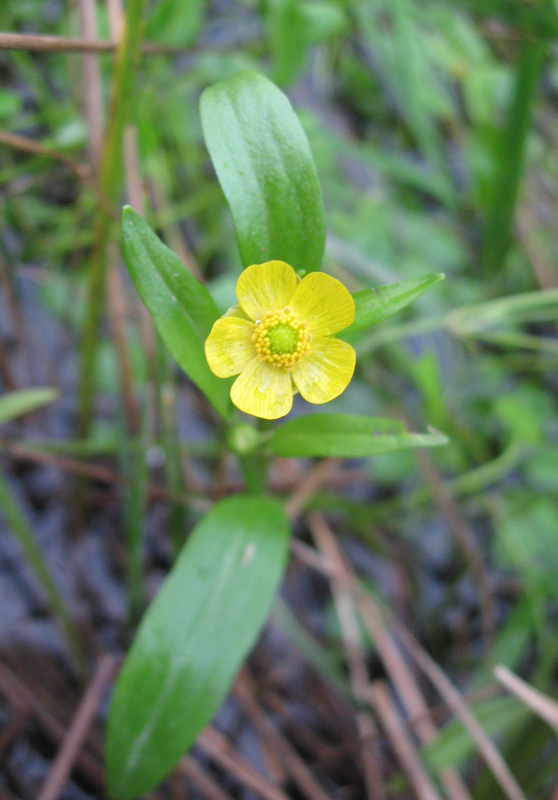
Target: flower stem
(254, 469)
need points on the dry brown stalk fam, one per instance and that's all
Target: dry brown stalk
(244, 690)
(10, 733)
(209, 787)
(310, 484)
(116, 295)
(19, 142)
(399, 672)
(538, 702)
(27, 704)
(92, 87)
(97, 473)
(312, 558)
(63, 44)
(17, 321)
(466, 540)
(455, 701)
(5, 369)
(346, 612)
(84, 716)
(402, 743)
(221, 751)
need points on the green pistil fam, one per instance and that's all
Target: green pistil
(282, 340)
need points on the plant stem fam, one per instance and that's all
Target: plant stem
(24, 535)
(254, 470)
(133, 464)
(109, 183)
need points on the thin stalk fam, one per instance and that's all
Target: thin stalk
(254, 470)
(175, 477)
(393, 333)
(133, 465)
(24, 535)
(511, 156)
(63, 44)
(110, 175)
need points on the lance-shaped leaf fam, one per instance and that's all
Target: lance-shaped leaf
(346, 436)
(182, 309)
(193, 639)
(15, 404)
(265, 167)
(374, 305)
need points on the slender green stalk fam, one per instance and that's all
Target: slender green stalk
(323, 660)
(473, 482)
(132, 459)
(254, 470)
(13, 515)
(110, 174)
(394, 333)
(511, 156)
(175, 478)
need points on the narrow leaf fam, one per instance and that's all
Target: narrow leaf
(346, 436)
(265, 167)
(454, 745)
(374, 305)
(193, 639)
(510, 156)
(182, 309)
(531, 20)
(294, 26)
(15, 404)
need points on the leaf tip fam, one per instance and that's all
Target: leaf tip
(441, 439)
(128, 213)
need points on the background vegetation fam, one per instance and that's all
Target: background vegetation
(434, 128)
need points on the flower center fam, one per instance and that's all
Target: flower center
(281, 338)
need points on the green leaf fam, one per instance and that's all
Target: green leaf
(265, 167)
(15, 404)
(182, 309)
(175, 23)
(453, 745)
(532, 20)
(294, 26)
(346, 436)
(375, 305)
(193, 639)
(510, 156)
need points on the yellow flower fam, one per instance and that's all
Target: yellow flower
(280, 337)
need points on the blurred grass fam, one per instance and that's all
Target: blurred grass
(109, 185)
(435, 129)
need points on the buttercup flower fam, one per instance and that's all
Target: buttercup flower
(279, 337)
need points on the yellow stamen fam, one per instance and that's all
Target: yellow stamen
(281, 338)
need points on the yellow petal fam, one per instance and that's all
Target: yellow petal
(323, 303)
(326, 371)
(229, 347)
(235, 311)
(266, 287)
(263, 390)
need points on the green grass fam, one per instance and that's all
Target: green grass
(434, 128)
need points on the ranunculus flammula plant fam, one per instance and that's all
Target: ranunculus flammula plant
(279, 338)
